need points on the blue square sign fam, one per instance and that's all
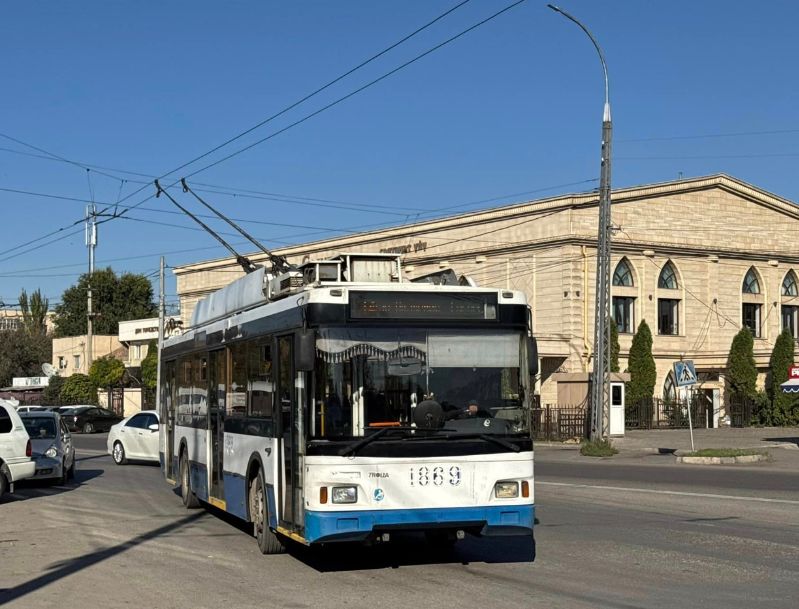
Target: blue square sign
(684, 373)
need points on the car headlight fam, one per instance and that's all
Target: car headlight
(345, 494)
(51, 452)
(506, 490)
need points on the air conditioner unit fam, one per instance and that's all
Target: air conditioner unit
(285, 284)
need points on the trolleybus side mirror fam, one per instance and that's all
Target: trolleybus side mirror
(304, 351)
(532, 356)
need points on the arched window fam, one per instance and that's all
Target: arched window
(790, 311)
(668, 306)
(623, 276)
(751, 283)
(668, 277)
(669, 389)
(752, 307)
(789, 285)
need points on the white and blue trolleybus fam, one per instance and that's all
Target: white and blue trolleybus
(339, 402)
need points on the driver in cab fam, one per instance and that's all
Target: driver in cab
(472, 410)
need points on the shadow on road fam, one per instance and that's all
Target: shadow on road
(412, 549)
(35, 489)
(75, 565)
(789, 440)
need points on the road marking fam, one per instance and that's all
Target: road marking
(660, 492)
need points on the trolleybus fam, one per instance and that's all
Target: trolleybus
(340, 402)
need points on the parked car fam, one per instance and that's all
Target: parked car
(89, 419)
(15, 449)
(30, 408)
(53, 451)
(135, 438)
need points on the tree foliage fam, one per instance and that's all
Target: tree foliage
(614, 346)
(149, 366)
(114, 299)
(643, 373)
(51, 396)
(783, 405)
(22, 354)
(78, 389)
(106, 371)
(34, 312)
(741, 369)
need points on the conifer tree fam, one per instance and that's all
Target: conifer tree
(741, 369)
(782, 404)
(643, 373)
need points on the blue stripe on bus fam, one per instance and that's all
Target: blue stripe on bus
(199, 479)
(235, 494)
(359, 524)
(270, 503)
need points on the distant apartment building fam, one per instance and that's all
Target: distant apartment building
(69, 352)
(11, 319)
(137, 334)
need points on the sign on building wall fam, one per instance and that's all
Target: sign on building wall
(30, 381)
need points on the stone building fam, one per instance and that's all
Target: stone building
(696, 258)
(69, 352)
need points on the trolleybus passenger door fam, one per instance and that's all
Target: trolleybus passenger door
(290, 516)
(168, 404)
(217, 388)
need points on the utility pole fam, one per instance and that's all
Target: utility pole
(600, 386)
(91, 243)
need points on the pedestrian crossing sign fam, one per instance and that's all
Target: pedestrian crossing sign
(684, 373)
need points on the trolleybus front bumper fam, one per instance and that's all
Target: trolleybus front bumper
(361, 525)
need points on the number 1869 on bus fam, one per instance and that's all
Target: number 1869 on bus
(435, 476)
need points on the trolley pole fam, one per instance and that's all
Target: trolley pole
(600, 385)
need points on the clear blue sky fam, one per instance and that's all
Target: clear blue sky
(514, 106)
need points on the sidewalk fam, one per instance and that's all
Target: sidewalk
(657, 447)
(668, 440)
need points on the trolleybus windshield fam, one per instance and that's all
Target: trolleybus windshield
(373, 378)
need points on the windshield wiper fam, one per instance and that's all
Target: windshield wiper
(425, 433)
(488, 438)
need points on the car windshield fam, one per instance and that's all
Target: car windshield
(39, 427)
(455, 381)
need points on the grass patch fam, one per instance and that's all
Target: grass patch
(597, 448)
(726, 452)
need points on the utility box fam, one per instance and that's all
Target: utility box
(616, 408)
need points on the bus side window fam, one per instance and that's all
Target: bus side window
(260, 380)
(237, 391)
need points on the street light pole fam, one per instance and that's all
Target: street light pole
(600, 387)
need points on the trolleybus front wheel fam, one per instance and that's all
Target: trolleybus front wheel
(190, 500)
(268, 541)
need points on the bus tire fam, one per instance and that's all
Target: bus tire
(268, 541)
(190, 500)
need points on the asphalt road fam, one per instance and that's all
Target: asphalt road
(119, 537)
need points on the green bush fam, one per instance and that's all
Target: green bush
(149, 366)
(78, 389)
(643, 373)
(106, 371)
(597, 448)
(51, 396)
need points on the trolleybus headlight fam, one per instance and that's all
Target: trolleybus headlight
(345, 494)
(506, 490)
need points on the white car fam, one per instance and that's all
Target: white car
(135, 437)
(15, 449)
(29, 408)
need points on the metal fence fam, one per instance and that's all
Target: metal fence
(741, 411)
(559, 423)
(662, 414)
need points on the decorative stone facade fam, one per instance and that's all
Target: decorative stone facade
(711, 230)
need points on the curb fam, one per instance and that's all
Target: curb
(722, 460)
